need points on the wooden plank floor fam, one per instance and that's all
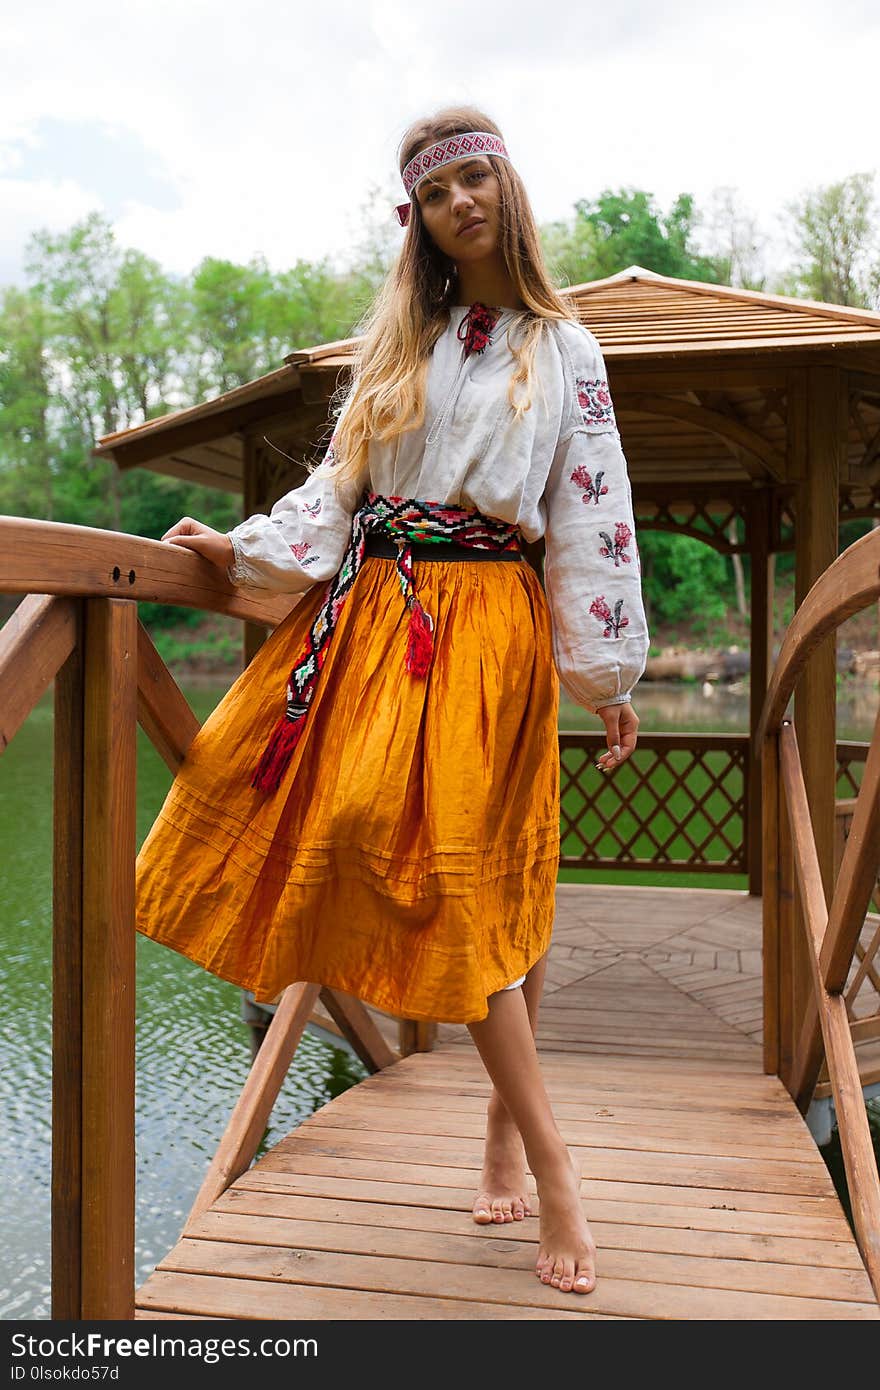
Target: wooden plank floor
(705, 1192)
(706, 942)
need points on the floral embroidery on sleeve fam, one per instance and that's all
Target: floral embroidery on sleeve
(594, 399)
(613, 621)
(592, 489)
(312, 508)
(616, 549)
(300, 550)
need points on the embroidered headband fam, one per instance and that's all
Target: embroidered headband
(444, 152)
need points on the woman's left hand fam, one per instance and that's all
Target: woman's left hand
(621, 732)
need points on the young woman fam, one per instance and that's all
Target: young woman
(388, 823)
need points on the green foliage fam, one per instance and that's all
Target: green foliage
(624, 228)
(834, 232)
(218, 649)
(685, 579)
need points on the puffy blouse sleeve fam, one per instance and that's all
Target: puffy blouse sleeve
(303, 538)
(592, 572)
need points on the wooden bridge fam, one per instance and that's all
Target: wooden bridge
(681, 1040)
(705, 1192)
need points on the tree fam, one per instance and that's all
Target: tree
(833, 232)
(228, 324)
(26, 475)
(735, 243)
(110, 337)
(629, 230)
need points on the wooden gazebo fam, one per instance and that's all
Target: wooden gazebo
(734, 407)
(751, 422)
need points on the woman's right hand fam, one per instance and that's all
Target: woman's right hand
(621, 734)
(195, 535)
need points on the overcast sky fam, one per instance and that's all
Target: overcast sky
(203, 127)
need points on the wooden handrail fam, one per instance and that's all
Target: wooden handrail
(794, 1044)
(50, 557)
(843, 1071)
(844, 588)
(78, 625)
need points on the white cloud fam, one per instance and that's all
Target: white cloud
(34, 205)
(260, 130)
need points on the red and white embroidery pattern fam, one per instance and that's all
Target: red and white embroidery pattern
(594, 399)
(313, 508)
(592, 488)
(445, 151)
(301, 552)
(616, 549)
(612, 620)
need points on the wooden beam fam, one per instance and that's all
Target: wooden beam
(108, 959)
(724, 426)
(415, 1035)
(253, 634)
(849, 585)
(50, 557)
(815, 696)
(163, 711)
(758, 535)
(863, 1183)
(35, 642)
(67, 979)
(857, 878)
(249, 1118)
(356, 1024)
(771, 882)
(199, 424)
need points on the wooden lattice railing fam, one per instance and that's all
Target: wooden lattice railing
(678, 803)
(831, 927)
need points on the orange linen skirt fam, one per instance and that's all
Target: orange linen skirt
(410, 855)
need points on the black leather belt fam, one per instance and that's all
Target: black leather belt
(386, 549)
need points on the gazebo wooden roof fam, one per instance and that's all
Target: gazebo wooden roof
(665, 341)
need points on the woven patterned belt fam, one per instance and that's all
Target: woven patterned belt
(385, 549)
(404, 524)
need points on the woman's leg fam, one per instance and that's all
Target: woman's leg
(503, 1194)
(504, 1040)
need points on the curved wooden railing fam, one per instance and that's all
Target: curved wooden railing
(78, 626)
(832, 924)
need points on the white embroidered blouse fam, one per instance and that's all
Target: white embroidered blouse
(558, 472)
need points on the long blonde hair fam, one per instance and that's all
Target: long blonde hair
(386, 394)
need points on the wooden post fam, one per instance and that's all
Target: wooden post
(821, 439)
(356, 1024)
(759, 517)
(786, 926)
(108, 958)
(67, 984)
(415, 1035)
(250, 1115)
(253, 634)
(772, 878)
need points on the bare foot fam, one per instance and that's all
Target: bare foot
(502, 1194)
(566, 1250)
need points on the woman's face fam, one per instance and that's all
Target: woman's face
(458, 195)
